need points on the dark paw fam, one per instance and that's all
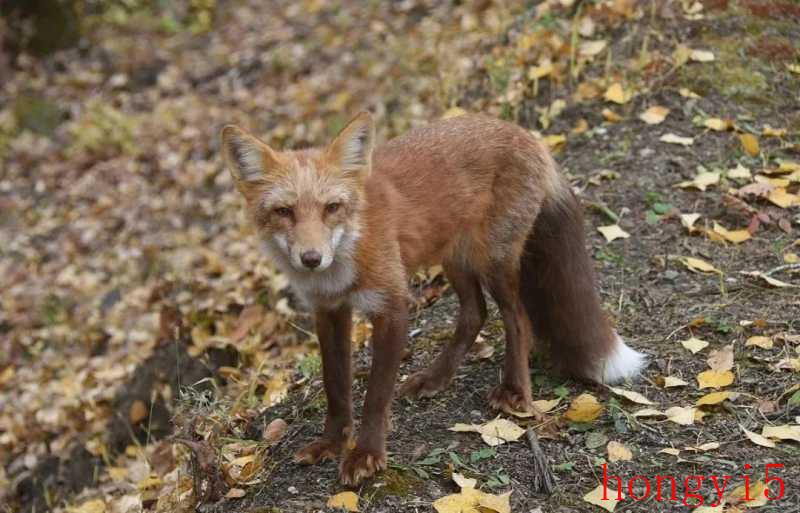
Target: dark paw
(423, 384)
(512, 401)
(319, 450)
(360, 464)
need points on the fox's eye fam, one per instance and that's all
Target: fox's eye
(283, 211)
(332, 208)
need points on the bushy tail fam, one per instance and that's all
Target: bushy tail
(558, 289)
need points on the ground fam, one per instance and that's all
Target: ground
(148, 344)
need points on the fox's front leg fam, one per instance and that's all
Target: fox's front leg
(390, 333)
(333, 330)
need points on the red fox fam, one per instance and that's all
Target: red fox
(480, 196)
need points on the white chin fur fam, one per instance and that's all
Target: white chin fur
(623, 362)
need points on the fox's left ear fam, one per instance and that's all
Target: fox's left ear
(352, 148)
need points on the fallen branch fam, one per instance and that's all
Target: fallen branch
(543, 479)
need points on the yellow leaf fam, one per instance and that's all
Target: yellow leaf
(720, 125)
(494, 432)
(702, 180)
(783, 199)
(649, 412)
(676, 139)
(589, 49)
(794, 68)
(464, 482)
(613, 232)
(616, 94)
(750, 144)
(688, 93)
(542, 70)
(759, 341)
(694, 344)
(681, 55)
(580, 127)
(714, 379)
(699, 265)
(708, 446)
(774, 132)
(791, 258)
(735, 236)
(722, 359)
(92, 506)
(671, 451)
(681, 415)
(788, 166)
(471, 500)
(453, 112)
(611, 116)
(117, 474)
(654, 115)
(769, 279)
(545, 406)
(739, 172)
(555, 140)
(584, 408)
(235, 493)
(672, 381)
(611, 495)
(785, 432)
(758, 439)
(344, 500)
(756, 494)
(635, 397)
(714, 398)
(701, 56)
(618, 452)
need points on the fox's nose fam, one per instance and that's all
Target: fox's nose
(311, 259)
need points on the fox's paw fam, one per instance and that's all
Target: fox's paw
(512, 401)
(320, 449)
(423, 384)
(360, 464)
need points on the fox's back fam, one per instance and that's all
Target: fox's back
(454, 182)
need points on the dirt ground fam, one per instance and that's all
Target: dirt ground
(624, 174)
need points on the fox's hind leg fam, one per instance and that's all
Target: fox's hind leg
(514, 393)
(471, 316)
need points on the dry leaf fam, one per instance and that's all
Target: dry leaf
(694, 344)
(635, 397)
(471, 500)
(714, 379)
(654, 115)
(735, 236)
(676, 139)
(701, 56)
(453, 112)
(708, 446)
(464, 482)
(779, 196)
(702, 180)
(688, 220)
(758, 439)
(613, 232)
(611, 494)
(688, 93)
(681, 415)
(791, 258)
(722, 359)
(275, 430)
(554, 141)
(785, 432)
(760, 341)
(750, 144)
(649, 412)
(92, 506)
(769, 279)
(235, 493)
(699, 265)
(672, 381)
(611, 116)
(615, 93)
(137, 412)
(494, 432)
(618, 452)
(545, 406)
(344, 500)
(756, 494)
(589, 49)
(739, 173)
(715, 398)
(584, 408)
(719, 125)
(768, 131)
(671, 451)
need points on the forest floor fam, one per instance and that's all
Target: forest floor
(148, 349)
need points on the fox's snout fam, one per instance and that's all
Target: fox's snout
(311, 259)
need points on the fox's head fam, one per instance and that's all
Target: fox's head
(305, 203)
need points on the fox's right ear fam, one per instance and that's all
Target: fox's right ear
(248, 159)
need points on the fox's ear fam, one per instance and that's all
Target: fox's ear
(352, 148)
(248, 159)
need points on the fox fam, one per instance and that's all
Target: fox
(349, 223)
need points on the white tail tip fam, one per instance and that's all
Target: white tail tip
(623, 362)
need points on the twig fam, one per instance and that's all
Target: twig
(543, 479)
(781, 268)
(605, 210)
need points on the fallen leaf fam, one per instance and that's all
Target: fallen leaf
(676, 139)
(794, 68)
(769, 279)
(464, 482)
(714, 398)
(591, 48)
(92, 506)
(788, 166)
(542, 70)
(618, 452)
(735, 236)
(615, 93)
(739, 173)
(756, 495)
(584, 408)
(275, 430)
(671, 451)
(758, 439)
(701, 56)
(681, 415)
(694, 344)
(453, 112)
(760, 341)
(654, 115)
(750, 144)
(714, 379)
(702, 180)
(784, 432)
(717, 124)
(688, 93)
(344, 500)
(137, 412)
(779, 196)
(649, 412)
(721, 359)
(791, 258)
(708, 446)
(235, 493)
(768, 131)
(470, 500)
(611, 495)
(494, 432)
(545, 406)
(635, 397)
(688, 220)
(792, 364)
(611, 116)
(699, 265)
(672, 381)
(613, 232)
